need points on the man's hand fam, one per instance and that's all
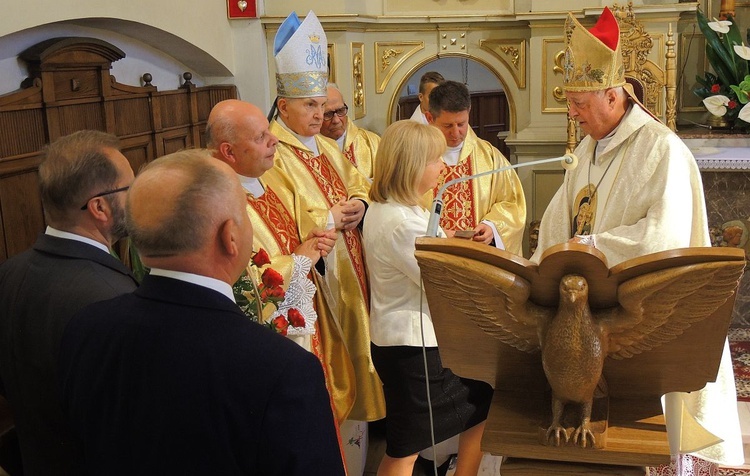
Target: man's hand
(317, 244)
(587, 240)
(347, 214)
(483, 234)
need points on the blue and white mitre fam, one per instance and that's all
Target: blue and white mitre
(301, 54)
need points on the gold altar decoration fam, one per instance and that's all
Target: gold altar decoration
(358, 79)
(452, 41)
(553, 53)
(390, 55)
(512, 53)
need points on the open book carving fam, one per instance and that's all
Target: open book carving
(579, 320)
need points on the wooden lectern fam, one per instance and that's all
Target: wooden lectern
(659, 323)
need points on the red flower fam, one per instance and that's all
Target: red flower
(271, 278)
(715, 88)
(732, 104)
(261, 258)
(280, 324)
(295, 318)
(277, 292)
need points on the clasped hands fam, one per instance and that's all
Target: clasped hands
(317, 244)
(347, 214)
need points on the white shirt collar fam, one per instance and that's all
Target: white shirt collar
(342, 140)
(452, 154)
(601, 144)
(204, 281)
(252, 185)
(72, 236)
(307, 141)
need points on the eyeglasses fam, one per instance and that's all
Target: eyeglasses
(121, 189)
(341, 112)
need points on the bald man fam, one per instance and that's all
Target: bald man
(174, 379)
(237, 133)
(358, 145)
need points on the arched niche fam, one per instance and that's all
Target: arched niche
(489, 80)
(149, 49)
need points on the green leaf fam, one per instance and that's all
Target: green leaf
(725, 74)
(720, 54)
(702, 82)
(734, 37)
(741, 95)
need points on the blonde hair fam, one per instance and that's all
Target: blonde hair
(404, 151)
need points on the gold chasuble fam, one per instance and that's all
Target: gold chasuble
(360, 148)
(497, 198)
(318, 183)
(275, 230)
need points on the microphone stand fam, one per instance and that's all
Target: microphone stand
(569, 162)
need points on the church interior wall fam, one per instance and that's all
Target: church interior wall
(167, 38)
(393, 40)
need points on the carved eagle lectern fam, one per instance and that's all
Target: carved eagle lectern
(582, 316)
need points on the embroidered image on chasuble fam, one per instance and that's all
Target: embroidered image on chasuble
(275, 230)
(497, 198)
(320, 182)
(584, 211)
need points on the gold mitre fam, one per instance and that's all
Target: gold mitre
(301, 53)
(593, 60)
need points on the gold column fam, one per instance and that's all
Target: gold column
(727, 8)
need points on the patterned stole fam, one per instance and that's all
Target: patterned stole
(349, 154)
(458, 199)
(276, 217)
(333, 188)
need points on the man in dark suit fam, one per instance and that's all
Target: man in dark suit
(173, 378)
(81, 178)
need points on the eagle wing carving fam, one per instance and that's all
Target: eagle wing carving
(656, 307)
(496, 300)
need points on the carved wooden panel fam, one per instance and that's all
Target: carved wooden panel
(70, 88)
(21, 211)
(138, 112)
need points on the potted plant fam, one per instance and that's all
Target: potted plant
(725, 91)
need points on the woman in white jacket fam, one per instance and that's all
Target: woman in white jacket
(408, 164)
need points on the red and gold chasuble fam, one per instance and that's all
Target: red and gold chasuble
(458, 199)
(276, 217)
(349, 154)
(316, 182)
(333, 188)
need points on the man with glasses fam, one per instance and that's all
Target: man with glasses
(330, 193)
(173, 379)
(83, 178)
(358, 145)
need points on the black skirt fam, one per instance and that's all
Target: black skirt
(457, 403)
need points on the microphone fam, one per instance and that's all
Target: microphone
(568, 162)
